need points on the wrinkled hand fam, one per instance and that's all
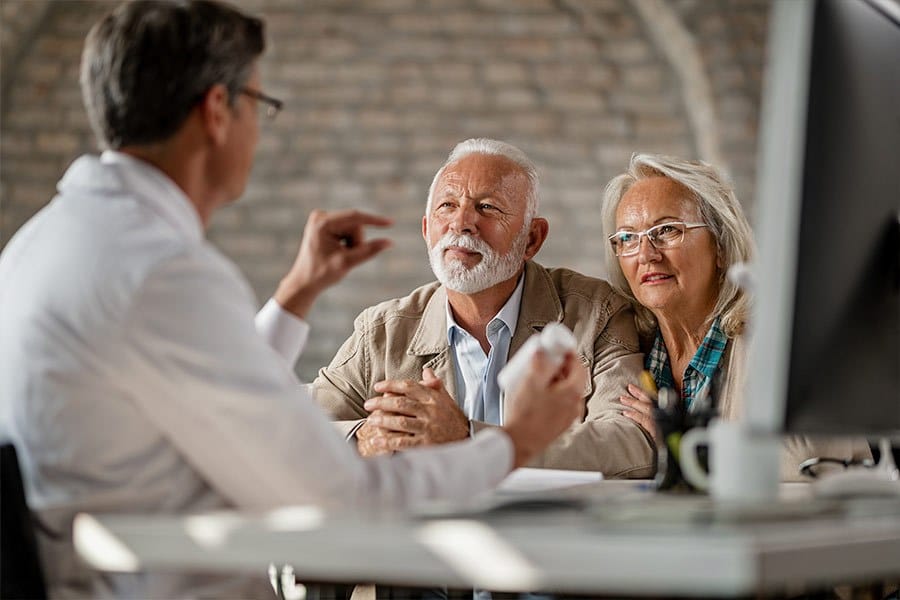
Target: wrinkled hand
(544, 404)
(640, 409)
(410, 413)
(372, 440)
(333, 244)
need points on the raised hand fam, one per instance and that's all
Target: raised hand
(333, 244)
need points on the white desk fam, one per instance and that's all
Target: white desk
(595, 550)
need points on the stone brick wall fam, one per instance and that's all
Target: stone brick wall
(378, 91)
(19, 22)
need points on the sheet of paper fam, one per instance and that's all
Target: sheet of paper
(535, 480)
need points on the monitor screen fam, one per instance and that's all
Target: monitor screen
(825, 351)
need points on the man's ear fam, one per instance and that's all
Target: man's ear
(216, 113)
(425, 228)
(537, 233)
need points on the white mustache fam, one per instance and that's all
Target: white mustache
(467, 242)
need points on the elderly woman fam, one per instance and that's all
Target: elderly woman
(675, 227)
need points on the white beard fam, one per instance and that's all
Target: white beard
(490, 270)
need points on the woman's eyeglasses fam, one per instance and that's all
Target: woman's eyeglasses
(662, 236)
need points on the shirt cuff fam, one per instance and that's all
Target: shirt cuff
(505, 449)
(285, 332)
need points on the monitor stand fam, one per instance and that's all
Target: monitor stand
(881, 480)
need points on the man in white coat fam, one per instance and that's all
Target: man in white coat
(132, 376)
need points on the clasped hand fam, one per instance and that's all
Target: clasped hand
(542, 405)
(408, 414)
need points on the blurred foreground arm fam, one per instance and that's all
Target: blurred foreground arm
(543, 405)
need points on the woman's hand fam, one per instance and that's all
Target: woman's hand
(640, 409)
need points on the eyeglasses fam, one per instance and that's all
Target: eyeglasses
(662, 236)
(813, 467)
(273, 105)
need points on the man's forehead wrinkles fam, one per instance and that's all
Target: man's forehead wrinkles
(451, 186)
(463, 191)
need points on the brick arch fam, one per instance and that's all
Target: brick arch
(677, 44)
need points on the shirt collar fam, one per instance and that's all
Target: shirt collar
(657, 362)
(155, 188)
(508, 314)
(708, 356)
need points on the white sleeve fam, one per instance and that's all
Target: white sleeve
(232, 407)
(282, 330)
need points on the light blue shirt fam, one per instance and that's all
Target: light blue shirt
(476, 373)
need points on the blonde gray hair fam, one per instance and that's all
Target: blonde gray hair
(719, 208)
(497, 148)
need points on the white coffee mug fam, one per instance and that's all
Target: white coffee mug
(743, 466)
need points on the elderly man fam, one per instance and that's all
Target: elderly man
(132, 378)
(482, 229)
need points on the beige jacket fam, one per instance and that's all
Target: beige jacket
(797, 448)
(397, 338)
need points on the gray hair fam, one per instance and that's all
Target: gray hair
(719, 208)
(148, 63)
(497, 148)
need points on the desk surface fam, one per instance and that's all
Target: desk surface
(613, 539)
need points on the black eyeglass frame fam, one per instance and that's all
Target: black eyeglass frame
(808, 466)
(273, 105)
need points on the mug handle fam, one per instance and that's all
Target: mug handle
(690, 464)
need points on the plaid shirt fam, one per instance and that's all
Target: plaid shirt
(699, 372)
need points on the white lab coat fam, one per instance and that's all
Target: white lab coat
(133, 379)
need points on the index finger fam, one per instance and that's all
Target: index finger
(355, 218)
(401, 387)
(640, 394)
(394, 404)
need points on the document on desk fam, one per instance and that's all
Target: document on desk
(537, 480)
(523, 489)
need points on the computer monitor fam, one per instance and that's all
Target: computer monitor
(825, 341)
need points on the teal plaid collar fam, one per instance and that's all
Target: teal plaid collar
(699, 372)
